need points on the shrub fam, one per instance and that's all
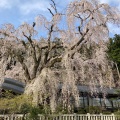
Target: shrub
(93, 109)
(13, 105)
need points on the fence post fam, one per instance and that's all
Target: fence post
(60, 117)
(75, 116)
(12, 117)
(88, 116)
(101, 116)
(113, 116)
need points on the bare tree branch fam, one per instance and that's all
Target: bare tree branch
(50, 12)
(54, 6)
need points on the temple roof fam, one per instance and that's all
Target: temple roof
(98, 89)
(13, 85)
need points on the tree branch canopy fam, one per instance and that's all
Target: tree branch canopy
(72, 52)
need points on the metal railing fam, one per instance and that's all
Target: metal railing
(63, 117)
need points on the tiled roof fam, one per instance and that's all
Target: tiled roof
(13, 85)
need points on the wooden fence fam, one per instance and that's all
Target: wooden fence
(64, 117)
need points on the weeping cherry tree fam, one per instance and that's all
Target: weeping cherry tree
(81, 29)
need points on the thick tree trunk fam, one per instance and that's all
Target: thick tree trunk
(24, 67)
(42, 88)
(35, 68)
(117, 70)
(26, 72)
(35, 84)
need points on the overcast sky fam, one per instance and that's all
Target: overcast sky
(19, 11)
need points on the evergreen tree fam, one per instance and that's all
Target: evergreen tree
(114, 49)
